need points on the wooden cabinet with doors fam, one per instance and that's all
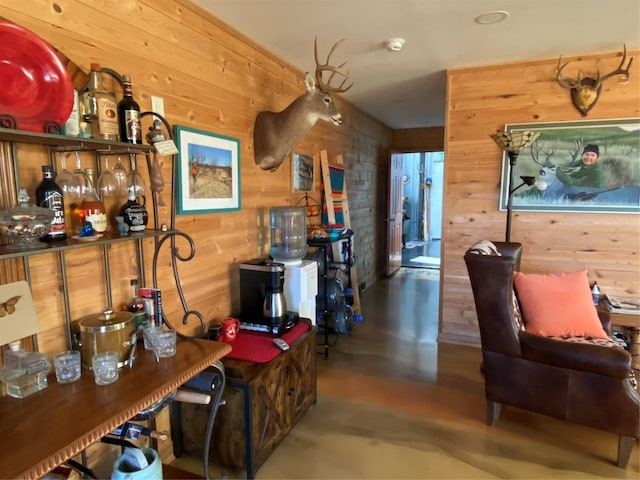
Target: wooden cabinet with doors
(263, 403)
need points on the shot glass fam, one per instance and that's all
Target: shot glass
(67, 366)
(165, 342)
(105, 367)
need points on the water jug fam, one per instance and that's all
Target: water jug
(288, 234)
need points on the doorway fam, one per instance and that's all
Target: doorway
(422, 187)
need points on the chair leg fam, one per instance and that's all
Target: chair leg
(625, 445)
(493, 412)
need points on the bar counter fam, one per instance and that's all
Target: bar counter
(45, 429)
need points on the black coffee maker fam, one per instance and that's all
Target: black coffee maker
(263, 306)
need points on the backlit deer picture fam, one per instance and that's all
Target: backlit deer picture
(277, 133)
(586, 91)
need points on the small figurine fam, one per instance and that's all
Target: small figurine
(87, 230)
(123, 228)
(155, 133)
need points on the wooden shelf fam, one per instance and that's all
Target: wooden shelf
(70, 243)
(71, 143)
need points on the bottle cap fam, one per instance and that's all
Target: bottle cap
(126, 77)
(95, 67)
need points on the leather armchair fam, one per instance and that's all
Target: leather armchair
(571, 379)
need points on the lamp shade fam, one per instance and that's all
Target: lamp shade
(514, 141)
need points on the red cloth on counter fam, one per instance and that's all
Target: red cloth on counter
(258, 347)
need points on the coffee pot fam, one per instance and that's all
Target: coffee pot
(274, 305)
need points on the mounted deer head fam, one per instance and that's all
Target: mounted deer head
(586, 91)
(276, 134)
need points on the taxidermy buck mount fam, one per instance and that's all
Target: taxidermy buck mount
(276, 134)
(586, 91)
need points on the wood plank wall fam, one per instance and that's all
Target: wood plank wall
(480, 101)
(429, 139)
(215, 79)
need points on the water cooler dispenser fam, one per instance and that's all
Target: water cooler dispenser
(301, 288)
(289, 246)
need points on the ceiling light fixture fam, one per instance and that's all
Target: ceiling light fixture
(394, 44)
(490, 18)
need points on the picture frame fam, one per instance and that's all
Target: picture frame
(302, 172)
(563, 182)
(208, 172)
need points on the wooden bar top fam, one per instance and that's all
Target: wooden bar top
(43, 430)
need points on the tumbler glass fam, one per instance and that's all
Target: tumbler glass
(105, 367)
(67, 366)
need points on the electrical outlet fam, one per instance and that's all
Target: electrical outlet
(157, 105)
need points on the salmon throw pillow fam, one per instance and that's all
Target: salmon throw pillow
(558, 305)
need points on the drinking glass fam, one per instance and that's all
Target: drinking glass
(120, 174)
(64, 176)
(105, 367)
(149, 335)
(67, 366)
(71, 192)
(165, 342)
(107, 185)
(81, 177)
(135, 183)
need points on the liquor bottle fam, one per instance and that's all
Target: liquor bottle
(100, 108)
(135, 215)
(49, 195)
(92, 208)
(595, 293)
(72, 125)
(135, 305)
(129, 115)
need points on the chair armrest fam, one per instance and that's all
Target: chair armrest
(613, 361)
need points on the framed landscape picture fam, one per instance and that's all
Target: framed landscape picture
(586, 166)
(208, 172)
(302, 173)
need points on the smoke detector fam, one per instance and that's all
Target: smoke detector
(394, 44)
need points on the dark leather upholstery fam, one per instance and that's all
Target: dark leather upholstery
(579, 382)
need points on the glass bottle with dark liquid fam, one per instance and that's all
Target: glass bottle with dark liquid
(135, 305)
(129, 115)
(49, 195)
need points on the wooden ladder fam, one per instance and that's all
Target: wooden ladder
(334, 194)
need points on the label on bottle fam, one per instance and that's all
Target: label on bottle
(132, 126)
(107, 117)
(98, 221)
(56, 204)
(135, 216)
(53, 201)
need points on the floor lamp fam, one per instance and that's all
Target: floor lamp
(513, 143)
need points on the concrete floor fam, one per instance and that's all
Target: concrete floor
(394, 404)
(421, 248)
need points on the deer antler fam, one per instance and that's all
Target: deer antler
(598, 81)
(535, 152)
(617, 71)
(565, 81)
(320, 68)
